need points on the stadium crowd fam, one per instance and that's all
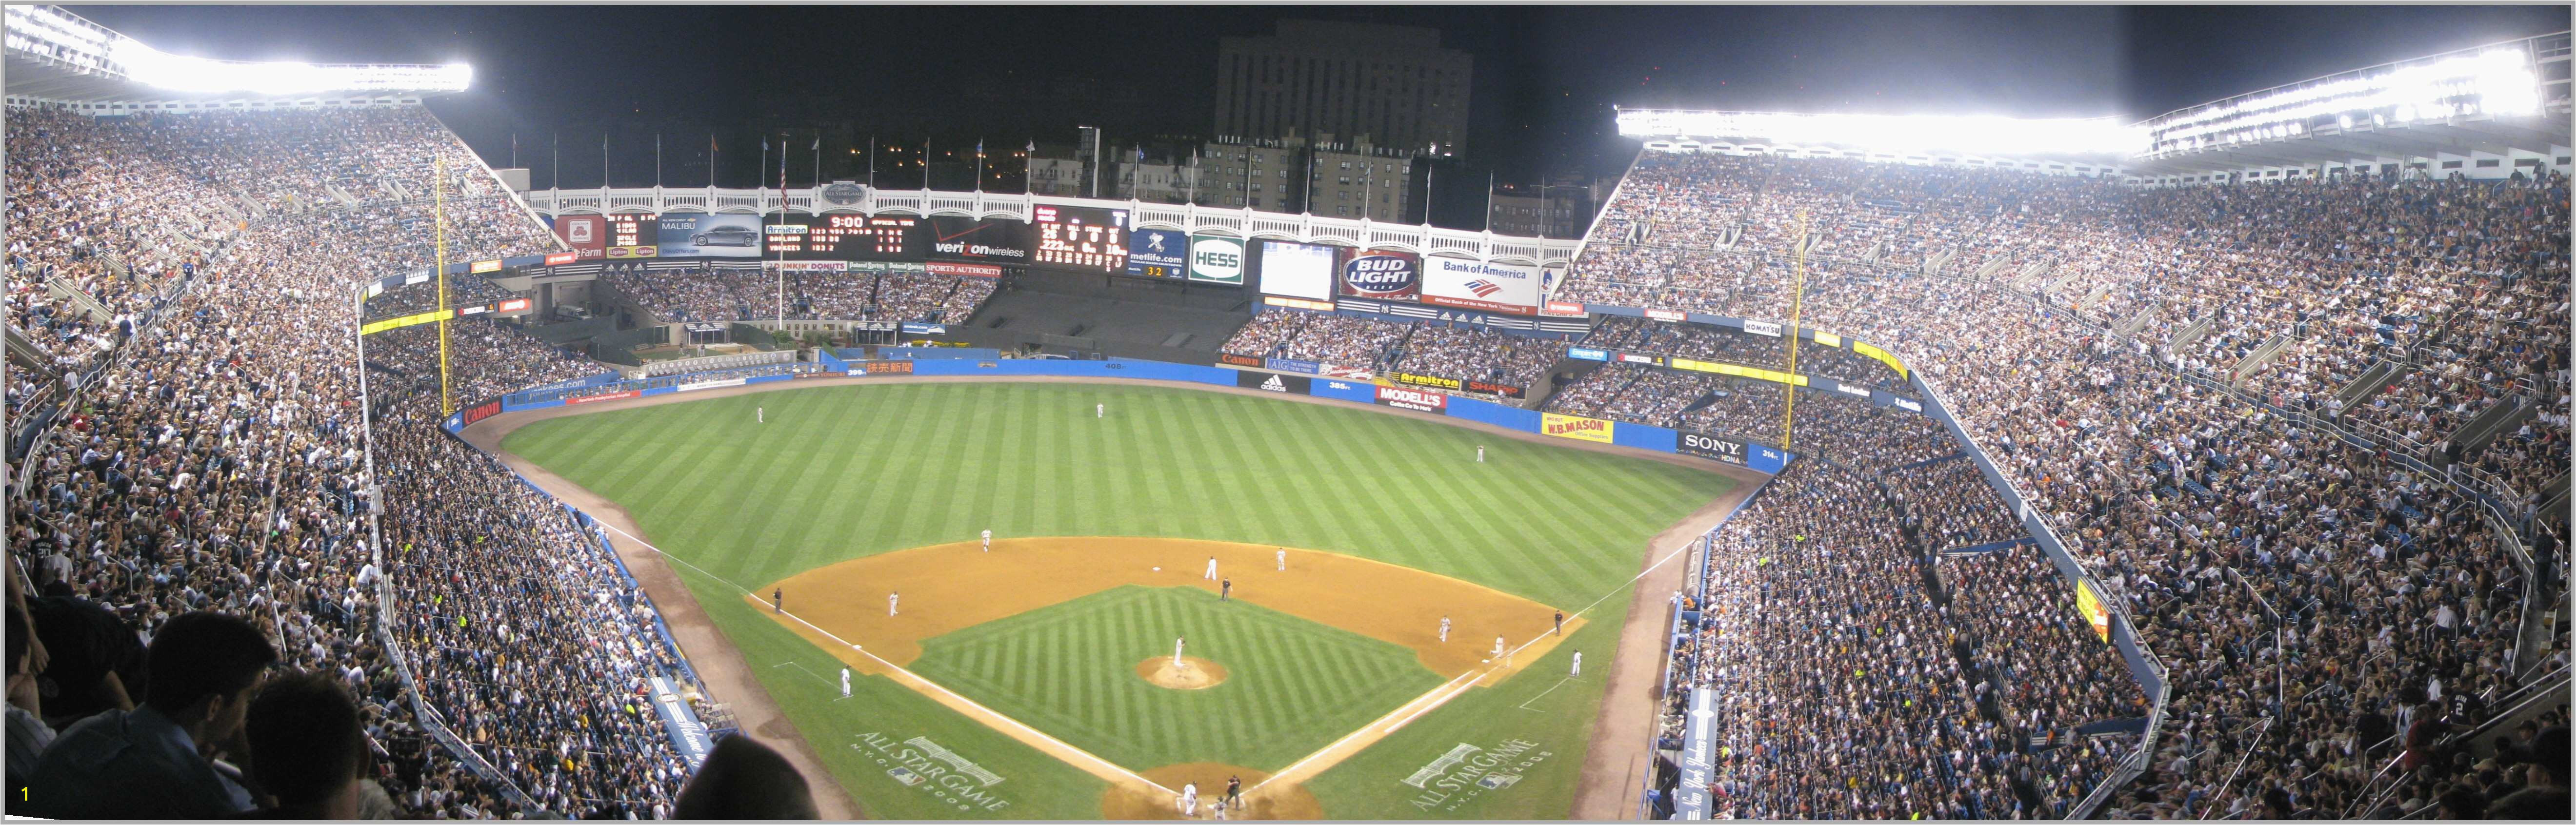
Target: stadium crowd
(215, 487)
(708, 293)
(1420, 348)
(2323, 610)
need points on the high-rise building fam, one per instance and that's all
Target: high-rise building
(1392, 83)
(1556, 210)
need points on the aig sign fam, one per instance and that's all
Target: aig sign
(1216, 260)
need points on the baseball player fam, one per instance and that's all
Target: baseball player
(1498, 647)
(1444, 630)
(1560, 622)
(1177, 644)
(988, 541)
(1218, 808)
(1480, 453)
(1283, 558)
(1190, 799)
(1100, 411)
(1578, 664)
(891, 599)
(1211, 571)
(1224, 589)
(760, 414)
(778, 600)
(845, 683)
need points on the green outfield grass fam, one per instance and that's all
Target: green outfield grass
(845, 472)
(1292, 685)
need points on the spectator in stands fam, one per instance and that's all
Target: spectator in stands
(744, 779)
(159, 761)
(308, 753)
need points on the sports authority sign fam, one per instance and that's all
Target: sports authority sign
(1383, 275)
(1410, 399)
(1575, 427)
(1492, 287)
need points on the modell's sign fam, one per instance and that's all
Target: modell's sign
(1412, 399)
(1383, 275)
(1726, 450)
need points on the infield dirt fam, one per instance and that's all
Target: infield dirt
(950, 587)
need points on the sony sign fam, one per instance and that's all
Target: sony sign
(1722, 449)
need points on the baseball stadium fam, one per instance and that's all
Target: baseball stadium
(1824, 464)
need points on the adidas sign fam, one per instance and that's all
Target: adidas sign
(1275, 385)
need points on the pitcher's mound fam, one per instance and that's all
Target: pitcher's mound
(1130, 800)
(1193, 674)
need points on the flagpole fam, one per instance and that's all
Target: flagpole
(782, 215)
(1489, 207)
(818, 161)
(603, 160)
(657, 160)
(555, 169)
(872, 161)
(712, 149)
(979, 164)
(925, 164)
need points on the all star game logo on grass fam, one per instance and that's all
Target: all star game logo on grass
(922, 764)
(1467, 772)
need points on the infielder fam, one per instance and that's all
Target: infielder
(1190, 799)
(778, 600)
(1444, 630)
(1498, 647)
(1283, 558)
(988, 541)
(1177, 645)
(845, 683)
(891, 598)
(1211, 571)
(1560, 622)
(1578, 664)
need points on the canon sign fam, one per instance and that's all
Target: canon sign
(1383, 275)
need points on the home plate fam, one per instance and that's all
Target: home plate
(1158, 570)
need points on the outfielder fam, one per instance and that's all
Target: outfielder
(845, 683)
(760, 414)
(891, 598)
(1100, 411)
(1283, 558)
(988, 541)
(1480, 453)
(1211, 571)
(1190, 799)
(1444, 630)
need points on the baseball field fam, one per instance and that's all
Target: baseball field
(1036, 678)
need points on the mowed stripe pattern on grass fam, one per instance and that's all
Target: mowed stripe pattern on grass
(843, 472)
(1292, 686)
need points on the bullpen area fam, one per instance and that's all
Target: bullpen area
(833, 528)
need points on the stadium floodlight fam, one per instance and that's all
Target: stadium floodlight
(1977, 134)
(180, 73)
(2495, 81)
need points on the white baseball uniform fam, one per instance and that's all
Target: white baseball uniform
(1211, 572)
(762, 413)
(1578, 664)
(1444, 629)
(1100, 411)
(1498, 647)
(891, 598)
(1283, 559)
(845, 683)
(1177, 644)
(1189, 800)
(988, 541)
(1480, 455)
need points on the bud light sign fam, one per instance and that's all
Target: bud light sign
(1383, 275)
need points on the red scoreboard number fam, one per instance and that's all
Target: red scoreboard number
(1082, 237)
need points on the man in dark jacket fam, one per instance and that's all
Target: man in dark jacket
(149, 763)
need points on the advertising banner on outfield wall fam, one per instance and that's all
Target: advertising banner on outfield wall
(1432, 381)
(1359, 391)
(1383, 275)
(586, 234)
(1216, 260)
(1576, 427)
(1492, 287)
(1233, 360)
(1292, 365)
(1275, 382)
(1330, 371)
(1411, 399)
(1726, 450)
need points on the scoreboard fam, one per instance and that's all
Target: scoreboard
(847, 237)
(632, 230)
(1081, 237)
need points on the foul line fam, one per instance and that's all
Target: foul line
(1550, 689)
(980, 708)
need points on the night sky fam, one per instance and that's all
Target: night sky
(1545, 76)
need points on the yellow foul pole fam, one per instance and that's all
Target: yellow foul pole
(438, 220)
(1797, 293)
